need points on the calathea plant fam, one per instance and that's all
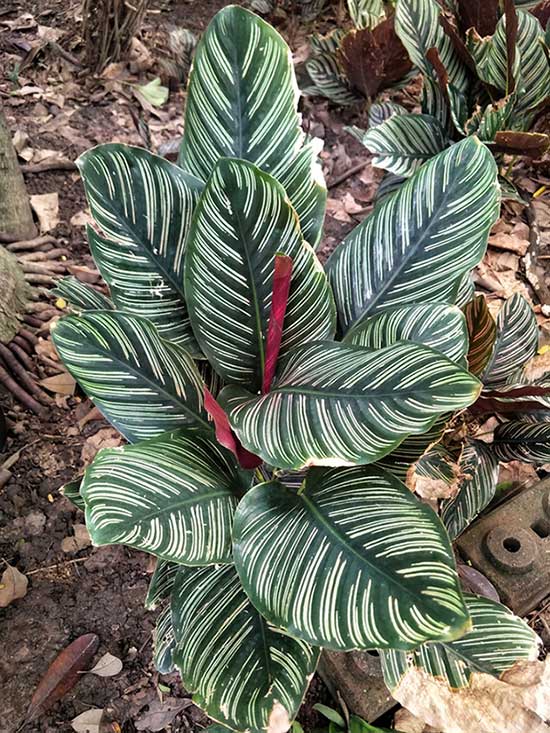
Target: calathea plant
(483, 75)
(273, 408)
(352, 67)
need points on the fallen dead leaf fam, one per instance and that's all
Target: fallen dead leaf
(13, 585)
(108, 666)
(60, 383)
(46, 208)
(104, 438)
(84, 274)
(510, 242)
(79, 541)
(88, 722)
(160, 714)
(81, 218)
(517, 703)
(63, 674)
(405, 722)
(336, 209)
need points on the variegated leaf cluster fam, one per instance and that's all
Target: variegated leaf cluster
(272, 408)
(482, 75)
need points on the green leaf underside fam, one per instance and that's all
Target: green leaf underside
(351, 561)
(421, 240)
(237, 665)
(242, 222)
(496, 642)
(143, 204)
(173, 496)
(405, 142)
(336, 404)
(523, 441)
(439, 326)
(143, 384)
(80, 296)
(161, 583)
(516, 341)
(479, 475)
(242, 102)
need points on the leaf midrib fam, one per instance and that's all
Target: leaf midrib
(411, 254)
(207, 496)
(330, 528)
(150, 382)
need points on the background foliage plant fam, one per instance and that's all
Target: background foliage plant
(484, 73)
(276, 410)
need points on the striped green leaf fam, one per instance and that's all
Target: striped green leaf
(464, 290)
(382, 111)
(532, 68)
(405, 142)
(516, 341)
(328, 80)
(241, 670)
(336, 404)
(435, 473)
(482, 333)
(173, 496)
(400, 460)
(242, 222)
(417, 25)
(366, 13)
(71, 491)
(439, 326)
(477, 484)
(419, 241)
(80, 296)
(242, 102)
(142, 384)
(143, 204)
(497, 640)
(351, 561)
(389, 184)
(161, 583)
(528, 442)
(164, 642)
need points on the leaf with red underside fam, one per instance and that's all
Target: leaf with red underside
(479, 14)
(374, 59)
(225, 436)
(279, 302)
(63, 674)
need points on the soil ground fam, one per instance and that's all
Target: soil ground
(101, 590)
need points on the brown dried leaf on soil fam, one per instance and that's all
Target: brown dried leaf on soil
(104, 438)
(60, 383)
(160, 714)
(517, 703)
(13, 585)
(88, 722)
(63, 674)
(79, 541)
(46, 208)
(107, 666)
